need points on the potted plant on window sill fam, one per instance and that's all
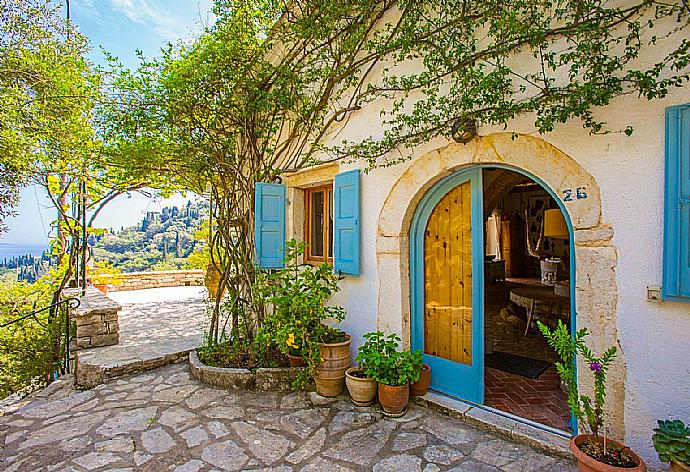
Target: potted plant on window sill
(297, 323)
(672, 443)
(594, 451)
(394, 370)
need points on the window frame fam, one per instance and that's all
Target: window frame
(308, 224)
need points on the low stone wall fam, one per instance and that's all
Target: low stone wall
(157, 279)
(279, 379)
(97, 320)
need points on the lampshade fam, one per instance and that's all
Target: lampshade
(554, 224)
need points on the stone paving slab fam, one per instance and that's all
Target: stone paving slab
(164, 420)
(157, 326)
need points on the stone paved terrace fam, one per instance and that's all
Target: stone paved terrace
(157, 326)
(164, 420)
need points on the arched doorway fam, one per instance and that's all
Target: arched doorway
(478, 284)
(595, 291)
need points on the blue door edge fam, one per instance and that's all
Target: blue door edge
(417, 256)
(419, 221)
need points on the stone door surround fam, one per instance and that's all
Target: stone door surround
(595, 256)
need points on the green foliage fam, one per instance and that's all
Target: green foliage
(589, 413)
(298, 295)
(381, 360)
(31, 349)
(672, 441)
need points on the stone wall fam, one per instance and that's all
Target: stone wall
(97, 320)
(165, 278)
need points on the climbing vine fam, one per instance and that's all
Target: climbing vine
(273, 86)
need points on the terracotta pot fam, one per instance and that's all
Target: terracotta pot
(679, 467)
(421, 386)
(590, 464)
(295, 361)
(102, 287)
(212, 281)
(362, 389)
(394, 399)
(329, 376)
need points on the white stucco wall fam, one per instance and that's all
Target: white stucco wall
(654, 337)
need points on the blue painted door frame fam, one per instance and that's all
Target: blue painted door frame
(450, 383)
(461, 380)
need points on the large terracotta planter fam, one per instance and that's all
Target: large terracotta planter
(421, 386)
(394, 399)
(330, 374)
(362, 389)
(589, 464)
(679, 467)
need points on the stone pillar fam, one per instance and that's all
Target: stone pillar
(97, 320)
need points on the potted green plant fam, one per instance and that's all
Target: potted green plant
(297, 323)
(393, 369)
(672, 443)
(593, 450)
(105, 275)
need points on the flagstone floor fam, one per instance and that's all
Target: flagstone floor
(164, 420)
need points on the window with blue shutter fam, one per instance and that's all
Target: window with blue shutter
(269, 225)
(676, 282)
(346, 223)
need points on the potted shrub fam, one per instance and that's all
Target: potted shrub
(394, 370)
(672, 442)
(361, 387)
(104, 275)
(297, 324)
(593, 450)
(421, 386)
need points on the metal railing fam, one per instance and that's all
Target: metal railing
(70, 303)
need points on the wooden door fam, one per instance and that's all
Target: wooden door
(448, 277)
(447, 249)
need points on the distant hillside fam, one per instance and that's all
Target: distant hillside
(162, 241)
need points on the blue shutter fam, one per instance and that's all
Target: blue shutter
(346, 223)
(269, 225)
(676, 281)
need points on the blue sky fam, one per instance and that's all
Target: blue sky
(121, 27)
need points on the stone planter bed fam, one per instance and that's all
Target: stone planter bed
(276, 379)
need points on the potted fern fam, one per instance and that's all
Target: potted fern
(593, 450)
(672, 443)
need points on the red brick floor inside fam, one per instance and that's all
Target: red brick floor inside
(539, 400)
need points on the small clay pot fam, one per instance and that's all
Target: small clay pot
(421, 386)
(295, 361)
(394, 399)
(679, 467)
(102, 287)
(362, 389)
(589, 464)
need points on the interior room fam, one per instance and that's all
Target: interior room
(527, 278)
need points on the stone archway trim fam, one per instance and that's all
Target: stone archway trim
(595, 255)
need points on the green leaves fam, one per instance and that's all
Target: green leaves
(672, 441)
(588, 412)
(380, 359)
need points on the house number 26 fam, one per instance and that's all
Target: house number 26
(569, 196)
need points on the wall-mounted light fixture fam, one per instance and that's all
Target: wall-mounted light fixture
(464, 130)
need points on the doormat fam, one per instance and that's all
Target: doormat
(512, 364)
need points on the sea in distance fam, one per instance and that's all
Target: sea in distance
(10, 250)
